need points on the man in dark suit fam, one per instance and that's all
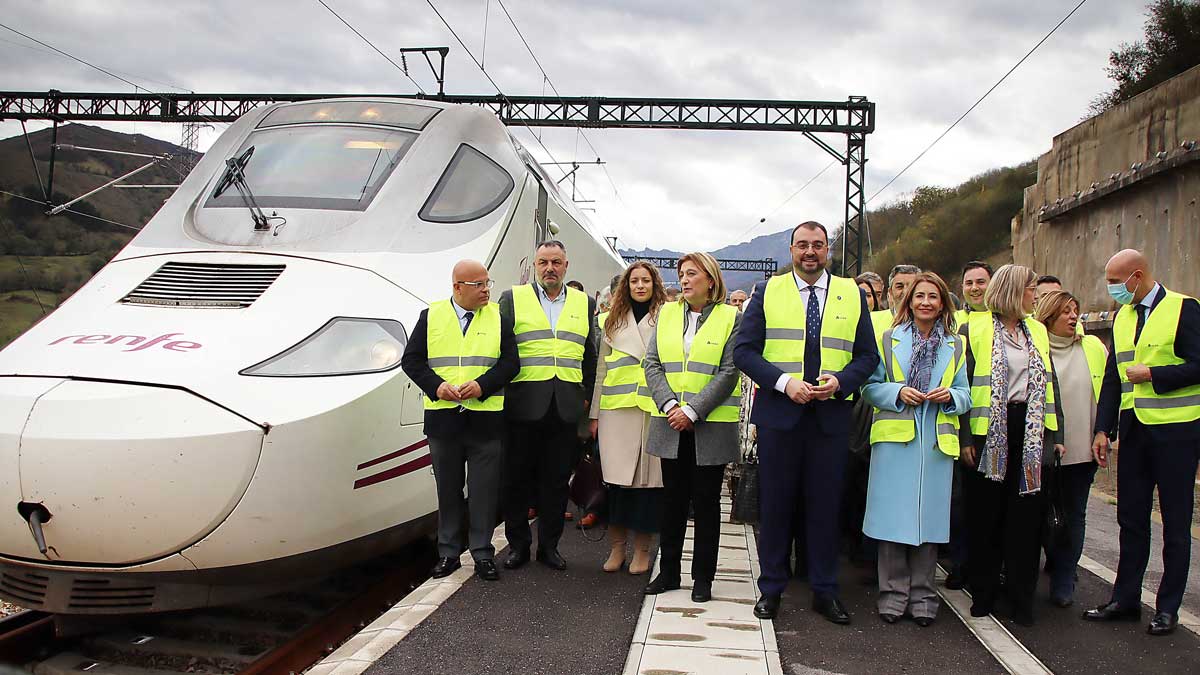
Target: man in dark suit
(806, 340)
(461, 354)
(555, 331)
(1151, 394)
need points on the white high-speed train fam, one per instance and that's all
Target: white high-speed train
(220, 410)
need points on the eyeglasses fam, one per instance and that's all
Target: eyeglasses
(476, 284)
(816, 246)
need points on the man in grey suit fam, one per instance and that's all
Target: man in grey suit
(555, 332)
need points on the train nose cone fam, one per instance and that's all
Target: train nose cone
(130, 473)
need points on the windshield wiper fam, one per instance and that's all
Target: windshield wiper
(235, 175)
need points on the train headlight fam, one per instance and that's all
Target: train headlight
(343, 346)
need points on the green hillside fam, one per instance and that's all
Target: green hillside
(940, 229)
(62, 252)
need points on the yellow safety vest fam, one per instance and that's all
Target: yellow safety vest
(546, 353)
(687, 374)
(623, 378)
(982, 333)
(881, 321)
(901, 427)
(1155, 348)
(785, 318)
(1097, 356)
(458, 358)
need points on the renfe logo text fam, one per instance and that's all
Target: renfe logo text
(136, 343)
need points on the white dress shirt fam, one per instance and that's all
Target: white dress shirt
(462, 315)
(552, 308)
(821, 288)
(689, 335)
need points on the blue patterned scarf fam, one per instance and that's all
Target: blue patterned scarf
(924, 354)
(993, 461)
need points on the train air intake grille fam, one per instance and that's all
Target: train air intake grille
(93, 594)
(27, 588)
(178, 284)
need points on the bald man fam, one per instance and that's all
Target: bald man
(462, 353)
(1151, 393)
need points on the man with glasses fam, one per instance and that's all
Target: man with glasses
(462, 353)
(806, 341)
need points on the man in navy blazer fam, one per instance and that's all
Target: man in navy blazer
(803, 428)
(1151, 455)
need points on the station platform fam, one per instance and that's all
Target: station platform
(536, 620)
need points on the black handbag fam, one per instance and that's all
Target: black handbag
(1054, 528)
(745, 494)
(587, 488)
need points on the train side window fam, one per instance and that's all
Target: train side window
(471, 187)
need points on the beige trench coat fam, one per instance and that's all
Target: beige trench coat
(622, 433)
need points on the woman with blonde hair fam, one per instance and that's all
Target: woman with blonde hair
(694, 397)
(1014, 426)
(919, 391)
(618, 422)
(1079, 362)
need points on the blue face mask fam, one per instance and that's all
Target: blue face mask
(1120, 292)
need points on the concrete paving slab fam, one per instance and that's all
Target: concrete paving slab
(662, 659)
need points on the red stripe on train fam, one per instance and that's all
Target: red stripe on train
(393, 455)
(406, 468)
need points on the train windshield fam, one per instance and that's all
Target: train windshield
(322, 166)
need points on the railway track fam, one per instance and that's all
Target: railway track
(280, 634)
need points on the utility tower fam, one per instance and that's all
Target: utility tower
(190, 143)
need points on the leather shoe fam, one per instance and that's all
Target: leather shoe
(445, 567)
(889, 618)
(486, 570)
(830, 607)
(661, 584)
(701, 591)
(923, 621)
(1162, 624)
(767, 606)
(1113, 612)
(550, 558)
(516, 558)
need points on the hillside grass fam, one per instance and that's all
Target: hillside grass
(19, 310)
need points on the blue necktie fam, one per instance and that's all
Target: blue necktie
(812, 337)
(467, 324)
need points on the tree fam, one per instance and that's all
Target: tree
(1171, 46)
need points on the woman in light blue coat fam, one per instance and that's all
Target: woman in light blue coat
(919, 389)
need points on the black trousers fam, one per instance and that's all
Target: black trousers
(1142, 466)
(472, 459)
(686, 483)
(538, 464)
(1005, 528)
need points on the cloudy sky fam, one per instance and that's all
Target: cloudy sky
(923, 62)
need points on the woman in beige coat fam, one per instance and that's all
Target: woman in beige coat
(633, 476)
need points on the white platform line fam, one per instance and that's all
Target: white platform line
(362, 650)
(1186, 619)
(696, 659)
(1008, 651)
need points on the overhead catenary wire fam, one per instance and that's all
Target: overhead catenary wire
(810, 181)
(372, 45)
(480, 66)
(976, 104)
(546, 80)
(78, 213)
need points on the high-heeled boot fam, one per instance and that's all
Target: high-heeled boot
(616, 557)
(641, 553)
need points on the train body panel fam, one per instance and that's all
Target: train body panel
(221, 407)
